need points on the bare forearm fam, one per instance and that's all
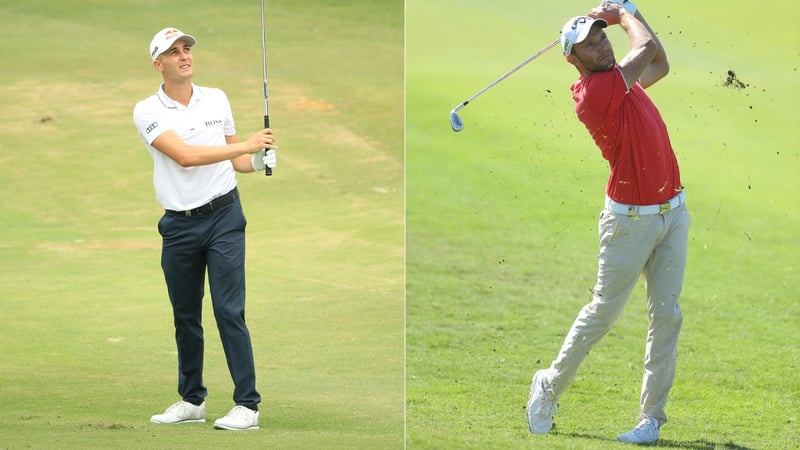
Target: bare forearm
(642, 48)
(640, 38)
(186, 155)
(201, 155)
(659, 64)
(243, 164)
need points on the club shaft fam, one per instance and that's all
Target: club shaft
(267, 170)
(264, 57)
(509, 73)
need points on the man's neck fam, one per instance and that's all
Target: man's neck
(181, 92)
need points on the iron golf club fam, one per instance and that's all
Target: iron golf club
(268, 170)
(455, 119)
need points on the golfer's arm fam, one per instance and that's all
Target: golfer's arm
(659, 66)
(241, 163)
(170, 144)
(643, 48)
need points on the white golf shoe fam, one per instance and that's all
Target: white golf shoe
(644, 433)
(237, 419)
(182, 412)
(542, 404)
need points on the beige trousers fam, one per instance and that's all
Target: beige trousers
(652, 245)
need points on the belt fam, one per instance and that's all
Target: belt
(645, 210)
(209, 207)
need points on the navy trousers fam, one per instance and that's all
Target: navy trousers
(191, 245)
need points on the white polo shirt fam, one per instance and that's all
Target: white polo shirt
(206, 121)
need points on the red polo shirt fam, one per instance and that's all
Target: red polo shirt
(633, 138)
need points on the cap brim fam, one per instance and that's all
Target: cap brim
(585, 30)
(189, 39)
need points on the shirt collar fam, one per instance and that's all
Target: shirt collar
(197, 95)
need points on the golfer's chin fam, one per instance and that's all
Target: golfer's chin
(606, 63)
(604, 67)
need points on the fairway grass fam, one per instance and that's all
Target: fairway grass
(88, 353)
(501, 238)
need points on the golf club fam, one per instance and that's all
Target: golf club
(455, 119)
(268, 170)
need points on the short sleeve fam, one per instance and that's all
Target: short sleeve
(148, 122)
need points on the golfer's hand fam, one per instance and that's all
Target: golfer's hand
(627, 4)
(261, 140)
(610, 12)
(263, 159)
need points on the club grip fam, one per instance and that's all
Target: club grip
(268, 170)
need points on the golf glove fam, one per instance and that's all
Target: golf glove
(262, 159)
(627, 4)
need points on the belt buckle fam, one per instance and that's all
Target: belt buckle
(664, 208)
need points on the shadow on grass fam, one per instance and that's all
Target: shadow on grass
(700, 445)
(667, 443)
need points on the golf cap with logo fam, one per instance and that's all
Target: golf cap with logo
(164, 39)
(576, 30)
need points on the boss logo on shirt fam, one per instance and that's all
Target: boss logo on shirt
(213, 123)
(151, 127)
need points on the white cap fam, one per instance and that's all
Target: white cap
(164, 39)
(576, 30)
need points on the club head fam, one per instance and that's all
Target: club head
(455, 121)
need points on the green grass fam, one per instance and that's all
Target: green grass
(87, 343)
(501, 235)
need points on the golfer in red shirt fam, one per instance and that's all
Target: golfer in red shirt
(644, 226)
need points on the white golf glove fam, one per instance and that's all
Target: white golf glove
(262, 160)
(627, 4)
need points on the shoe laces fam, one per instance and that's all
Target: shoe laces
(646, 423)
(645, 427)
(549, 406)
(240, 411)
(175, 406)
